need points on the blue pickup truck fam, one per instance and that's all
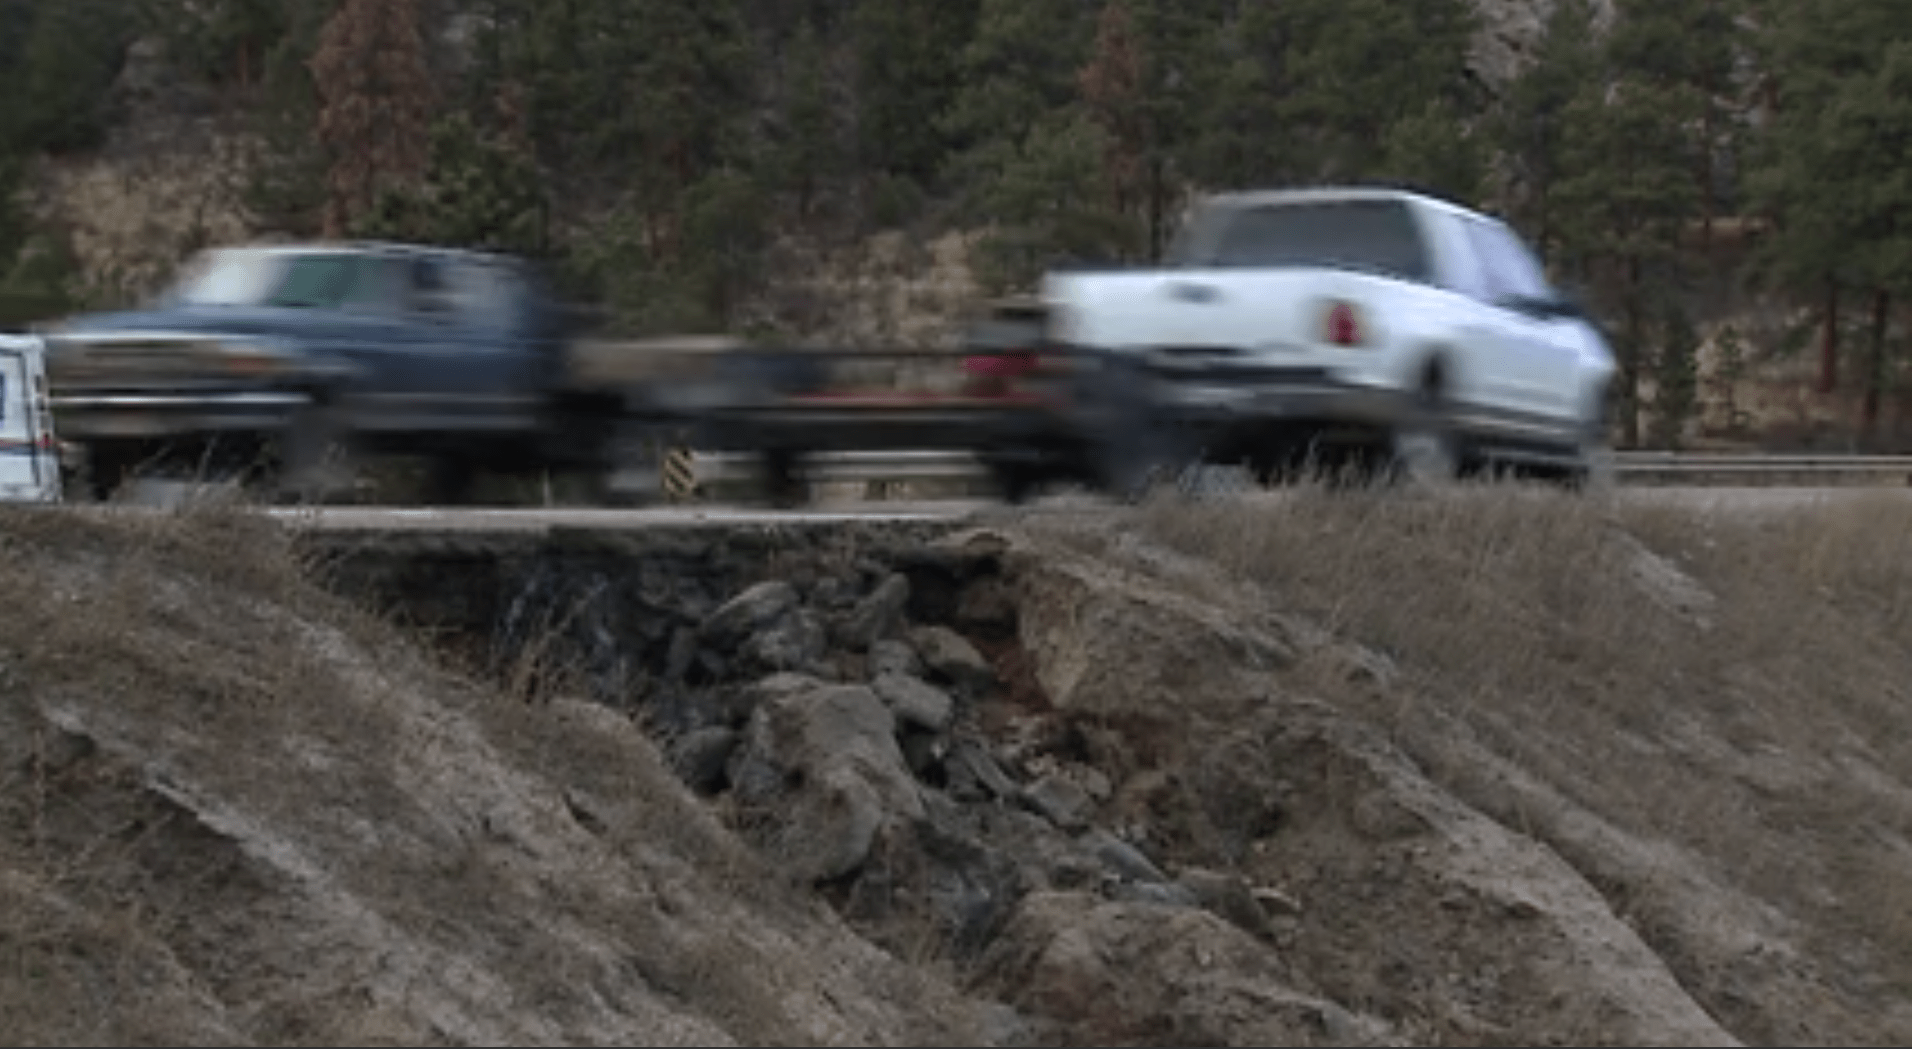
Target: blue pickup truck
(289, 364)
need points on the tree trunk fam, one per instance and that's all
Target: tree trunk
(1630, 357)
(1158, 207)
(1829, 341)
(1875, 368)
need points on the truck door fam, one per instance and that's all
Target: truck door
(29, 457)
(472, 368)
(1537, 351)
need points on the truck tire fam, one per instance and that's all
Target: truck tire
(1133, 446)
(450, 480)
(1593, 471)
(110, 465)
(316, 460)
(1017, 483)
(784, 483)
(1424, 450)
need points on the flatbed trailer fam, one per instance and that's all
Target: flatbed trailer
(989, 401)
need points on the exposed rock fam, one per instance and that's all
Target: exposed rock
(1122, 859)
(950, 656)
(701, 758)
(825, 764)
(794, 642)
(1230, 897)
(756, 609)
(877, 616)
(988, 606)
(681, 655)
(974, 766)
(894, 657)
(1108, 643)
(1080, 959)
(1061, 801)
(916, 702)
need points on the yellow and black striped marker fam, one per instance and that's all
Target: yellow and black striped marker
(680, 475)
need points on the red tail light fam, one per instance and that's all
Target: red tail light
(1001, 365)
(997, 374)
(1342, 326)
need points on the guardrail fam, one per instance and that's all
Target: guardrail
(1643, 463)
(1635, 467)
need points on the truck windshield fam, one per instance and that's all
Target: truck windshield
(262, 277)
(1371, 235)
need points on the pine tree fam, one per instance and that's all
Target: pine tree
(1621, 211)
(1815, 167)
(810, 152)
(1019, 71)
(909, 59)
(286, 191)
(1867, 142)
(1434, 150)
(1675, 375)
(1245, 136)
(1112, 88)
(68, 60)
(1044, 205)
(1178, 76)
(1529, 127)
(1358, 67)
(1309, 90)
(377, 101)
(224, 40)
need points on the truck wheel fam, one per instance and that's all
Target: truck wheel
(1132, 446)
(450, 480)
(784, 483)
(1017, 483)
(1593, 470)
(315, 456)
(109, 465)
(1423, 449)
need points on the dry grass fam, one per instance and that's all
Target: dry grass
(236, 810)
(1709, 715)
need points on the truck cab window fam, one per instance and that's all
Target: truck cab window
(1513, 274)
(1371, 236)
(483, 293)
(317, 281)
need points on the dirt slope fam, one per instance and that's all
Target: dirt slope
(234, 815)
(1342, 770)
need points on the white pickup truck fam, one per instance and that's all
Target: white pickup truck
(1326, 326)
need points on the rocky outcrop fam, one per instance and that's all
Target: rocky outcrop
(1092, 774)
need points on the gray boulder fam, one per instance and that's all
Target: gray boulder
(950, 656)
(892, 656)
(756, 609)
(876, 616)
(915, 701)
(823, 765)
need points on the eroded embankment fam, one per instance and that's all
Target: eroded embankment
(1151, 796)
(1342, 770)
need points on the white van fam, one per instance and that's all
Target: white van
(29, 451)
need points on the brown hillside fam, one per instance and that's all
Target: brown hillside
(1332, 769)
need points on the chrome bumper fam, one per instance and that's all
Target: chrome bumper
(86, 414)
(1323, 399)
